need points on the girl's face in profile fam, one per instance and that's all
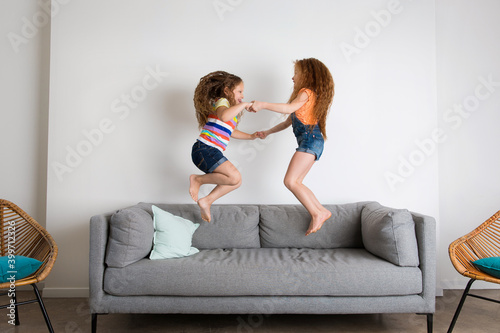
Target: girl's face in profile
(296, 76)
(238, 93)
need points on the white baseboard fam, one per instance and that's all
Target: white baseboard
(65, 292)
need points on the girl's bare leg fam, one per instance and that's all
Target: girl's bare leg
(298, 168)
(230, 177)
(206, 202)
(224, 174)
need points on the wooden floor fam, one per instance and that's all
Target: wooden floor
(71, 315)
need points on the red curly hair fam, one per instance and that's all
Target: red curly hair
(314, 75)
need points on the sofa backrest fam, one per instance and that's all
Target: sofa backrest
(286, 225)
(232, 226)
(131, 230)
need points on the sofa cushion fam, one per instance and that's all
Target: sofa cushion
(173, 236)
(390, 234)
(266, 271)
(286, 225)
(231, 226)
(130, 236)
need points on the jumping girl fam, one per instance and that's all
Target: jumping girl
(218, 103)
(308, 108)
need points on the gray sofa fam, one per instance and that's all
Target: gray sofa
(255, 259)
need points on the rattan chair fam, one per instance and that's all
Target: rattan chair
(482, 242)
(31, 240)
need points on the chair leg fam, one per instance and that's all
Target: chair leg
(42, 307)
(16, 310)
(459, 308)
(94, 322)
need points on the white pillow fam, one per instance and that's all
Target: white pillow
(173, 236)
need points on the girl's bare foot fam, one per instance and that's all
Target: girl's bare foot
(204, 209)
(194, 187)
(318, 221)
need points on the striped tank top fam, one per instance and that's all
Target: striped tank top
(216, 133)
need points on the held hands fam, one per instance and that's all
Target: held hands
(248, 107)
(255, 106)
(258, 135)
(262, 134)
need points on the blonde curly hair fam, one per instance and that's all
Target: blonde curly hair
(314, 75)
(211, 87)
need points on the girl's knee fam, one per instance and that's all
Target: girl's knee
(235, 179)
(289, 182)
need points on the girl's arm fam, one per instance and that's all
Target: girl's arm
(242, 135)
(286, 108)
(226, 114)
(281, 126)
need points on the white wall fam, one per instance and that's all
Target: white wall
(468, 111)
(102, 52)
(24, 64)
(387, 107)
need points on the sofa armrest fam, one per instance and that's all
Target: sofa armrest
(99, 230)
(425, 231)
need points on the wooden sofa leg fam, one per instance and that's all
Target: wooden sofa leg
(430, 320)
(94, 322)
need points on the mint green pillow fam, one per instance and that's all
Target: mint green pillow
(18, 266)
(173, 235)
(489, 266)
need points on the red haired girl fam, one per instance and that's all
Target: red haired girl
(308, 108)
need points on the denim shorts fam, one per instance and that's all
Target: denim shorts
(206, 158)
(309, 140)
